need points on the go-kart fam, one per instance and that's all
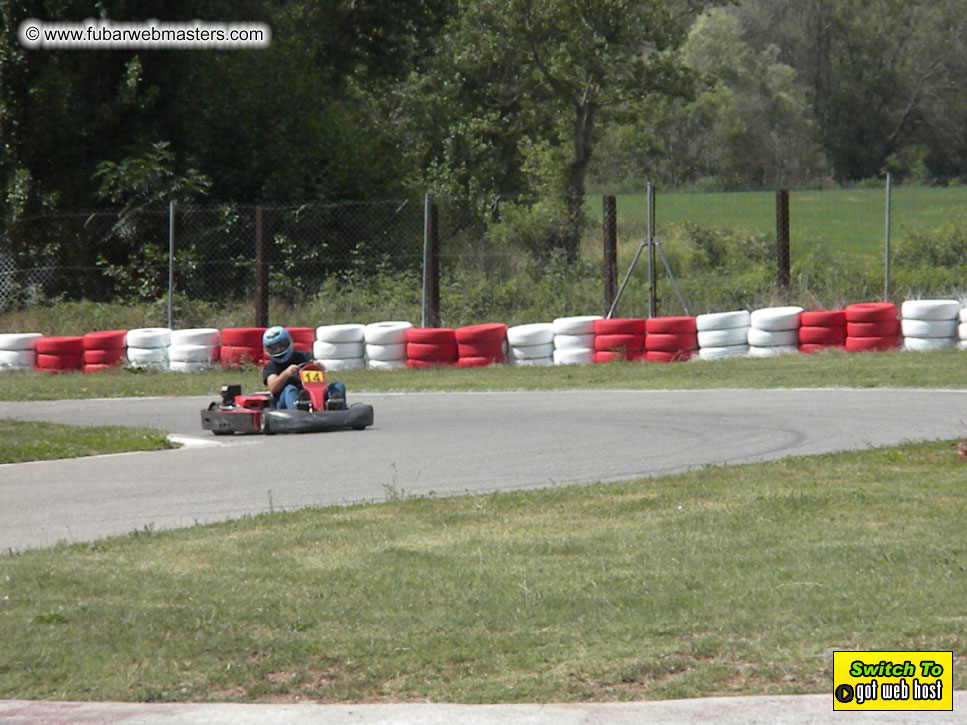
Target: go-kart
(254, 412)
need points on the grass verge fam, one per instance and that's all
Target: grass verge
(29, 441)
(727, 580)
(942, 369)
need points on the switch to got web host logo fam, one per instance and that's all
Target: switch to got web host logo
(893, 681)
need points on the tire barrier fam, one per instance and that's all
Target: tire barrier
(574, 339)
(59, 354)
(17, 350)
(531, 344)
(619, 339)
(723, 335)
(929, 324)
(104, 349)
(242, 346)
(194, 349)
(872, 326)
(340, 347)
(774, 331)
(962, 330)
(822, 329)
(670, 339)
(302, 338)
(386, 344)
(481, 345)
(429, 346)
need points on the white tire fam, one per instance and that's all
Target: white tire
(721, 353)
(929, 328)
(536, 333)
(962, 331)
(962, 345)
(930, 309)
(535, 361)
(17, 359)
(148, 337)
(386, 353)
(208, 336)
(773, 351)
(776, 318)
(341, 333)
(191, 353)
(188, 366)
(18, 340)
(386, 333)
(573, 356)
(386, 364)
(962, 315)
(325, 350)
(926, 344)
(531, 352)
(723, 320)
(349, 363)
(578, 325)
(723, 337)
(567, 342)
(772, 338)
(147, 355)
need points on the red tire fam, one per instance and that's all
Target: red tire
(429, 352)
(662, 342)
(243, 337)
(104, 339)
(871, 312)
(68, 361)
(59, 345)
(432, 335)
(303, 336)
(809, 348)
(487, 332)
(670, 325)
(95, 368)
(822, 335)
(493, 349)
(104, 357)
(428, 363)
(666, 356)
(823, 318)
(619, 342)
(239, 355)
(864, 344)
(606, 356)
(620, 326)
(883, 328)
(475, 362)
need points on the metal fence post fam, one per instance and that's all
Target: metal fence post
(261, 274)
(652, 291)
(171, 260)
(782, 241)
(886, 251)
(610, 252)
(430, 315)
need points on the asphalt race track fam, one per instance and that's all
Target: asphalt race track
(444, 443)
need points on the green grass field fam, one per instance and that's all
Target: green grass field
(851, 221)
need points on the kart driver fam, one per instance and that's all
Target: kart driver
(281, 373)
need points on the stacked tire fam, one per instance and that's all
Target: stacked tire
(340, 347)
(148, 347)
(962, 329)
(774, 331)
(193, 349)
(929, 324)
(303, 338)
(481, 345)
(822, 329)
(428, 347)
(242, 346)
(723, 334)
(386, 344)
(619, 339)
(531, 344)
(59, 354)
(670, 339)
(104, 350)
(872, 326)
(17, 350)
(574, 339)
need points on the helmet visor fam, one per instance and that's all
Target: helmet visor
(277, 348)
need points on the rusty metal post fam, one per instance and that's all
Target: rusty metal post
(782, 242)
(431, 265)
(261, 274)
(610, 253)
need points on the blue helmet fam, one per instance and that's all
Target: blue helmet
(278, 344)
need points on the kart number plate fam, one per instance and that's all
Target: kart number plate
(313, 376)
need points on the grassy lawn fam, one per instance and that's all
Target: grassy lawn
(847, 220)
(737, 580)
(942, 369)
(28, 441)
